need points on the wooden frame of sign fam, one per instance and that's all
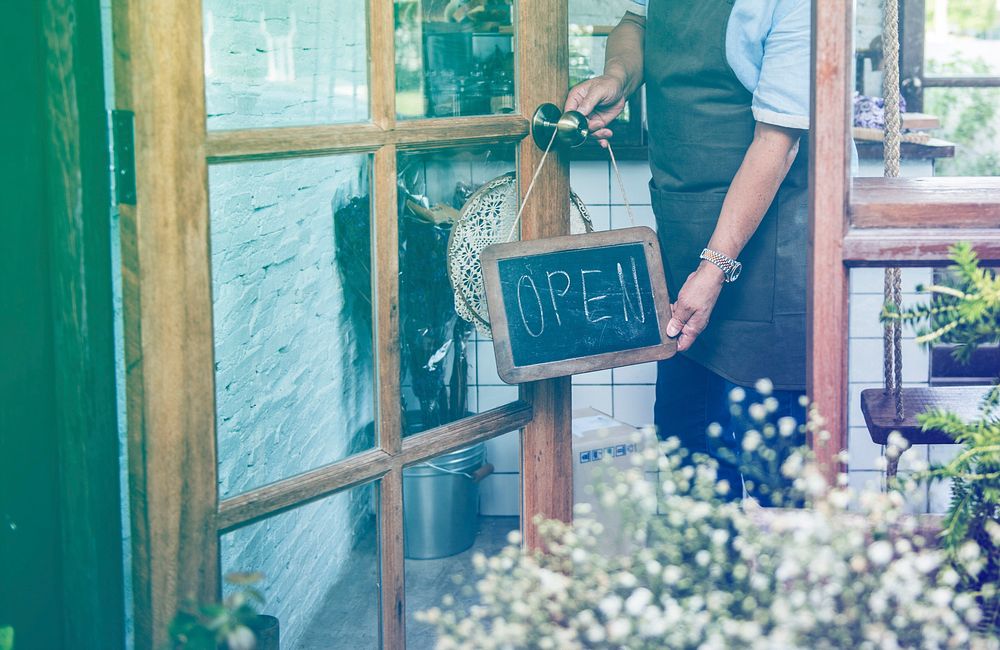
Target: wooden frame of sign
(555, 312)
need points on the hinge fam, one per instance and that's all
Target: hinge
(123, 129)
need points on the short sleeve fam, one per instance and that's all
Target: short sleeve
(637, 7)
(782, 94)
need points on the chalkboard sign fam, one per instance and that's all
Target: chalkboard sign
(568, 305)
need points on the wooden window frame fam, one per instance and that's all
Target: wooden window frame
(176, 513)
(874, 222)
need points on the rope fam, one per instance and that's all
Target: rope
(621, 184)
(531, 186)
(892, 347)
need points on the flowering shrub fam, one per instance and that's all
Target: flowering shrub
(709, 574)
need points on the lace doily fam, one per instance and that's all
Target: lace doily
(486, 218)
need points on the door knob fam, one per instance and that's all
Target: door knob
(570, 127)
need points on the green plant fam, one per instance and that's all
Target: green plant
(229, 624)
(966, 312)
(6, 638)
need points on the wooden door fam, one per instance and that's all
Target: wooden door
(272, 136)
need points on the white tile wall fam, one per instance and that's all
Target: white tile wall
(500, 495)
(865, 371)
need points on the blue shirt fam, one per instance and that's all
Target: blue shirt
(768, 45)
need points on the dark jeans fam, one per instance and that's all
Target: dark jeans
(690, 397)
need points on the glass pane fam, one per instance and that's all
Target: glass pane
(285, 62)
(454, 58)
(451, 512)
(970, 117)
(962, 37)
(589, 25)
(291, 280)
(947, 131)
(320, 564)
(447, 373)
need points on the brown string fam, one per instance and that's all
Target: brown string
(892, 345)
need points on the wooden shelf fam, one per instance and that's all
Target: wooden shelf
(933, 149)
(937, 202)
(879, 410)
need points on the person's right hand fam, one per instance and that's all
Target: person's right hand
(601, 100)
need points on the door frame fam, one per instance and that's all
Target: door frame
(176, 514)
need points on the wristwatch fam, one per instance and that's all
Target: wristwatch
(730, 268)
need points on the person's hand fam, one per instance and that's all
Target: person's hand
(695, 302)
(601, 100)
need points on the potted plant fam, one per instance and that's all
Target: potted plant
(233, 624)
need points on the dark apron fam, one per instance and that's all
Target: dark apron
(700, 127)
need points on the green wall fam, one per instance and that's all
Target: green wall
(60, 533)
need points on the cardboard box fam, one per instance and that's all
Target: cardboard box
(601, 442)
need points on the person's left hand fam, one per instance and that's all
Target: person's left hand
(695, 302)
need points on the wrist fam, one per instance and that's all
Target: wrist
(616, 70)
(712, 271)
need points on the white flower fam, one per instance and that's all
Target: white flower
(764, 386)
(611, 605)
(758, 412)
(637, 602)
(596, 634)
(618, 630)
(751, 440)
(514, 537)
(880, 552)
(787, 426)
(737, 395)
(672, 574)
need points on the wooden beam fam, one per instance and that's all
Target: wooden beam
(915, 246)
(277, 497)
(298, 141)
(465, 432)
(392, 566)
(546, 449)
(169, 351)
(829, 166)
(385, 280)
(936, 202)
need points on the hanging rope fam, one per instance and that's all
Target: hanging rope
(621, 184)
(538, 170)
(892, 331)
(531, 186)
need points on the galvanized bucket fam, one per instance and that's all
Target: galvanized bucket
(441, 503)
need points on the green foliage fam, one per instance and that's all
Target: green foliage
(969, 117)
(972, 17)
(967, 313)
(229, 624)
(6, 638)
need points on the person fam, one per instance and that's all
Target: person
(727, 95)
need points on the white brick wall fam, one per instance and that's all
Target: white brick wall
(294, 379)
(279, 63)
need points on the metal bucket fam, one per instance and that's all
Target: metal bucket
(441, 503)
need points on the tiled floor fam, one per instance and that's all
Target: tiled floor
(427, 582)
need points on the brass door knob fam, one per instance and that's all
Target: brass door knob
(570, 127)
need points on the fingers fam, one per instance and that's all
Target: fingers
(680, 314)
(597, 93)
(686, 324)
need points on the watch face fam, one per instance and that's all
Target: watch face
(735, 271)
